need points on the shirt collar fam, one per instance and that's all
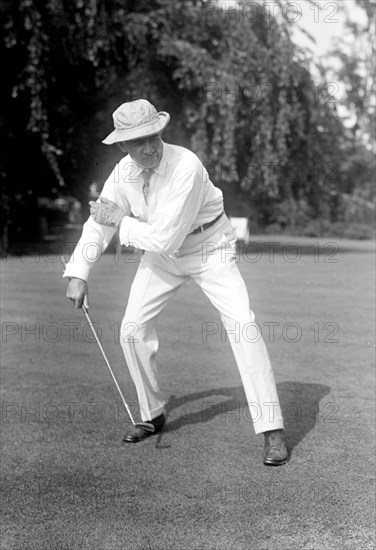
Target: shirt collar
(161, 168)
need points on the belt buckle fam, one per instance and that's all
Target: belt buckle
(202, 228)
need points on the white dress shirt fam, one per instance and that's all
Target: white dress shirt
(181, 198)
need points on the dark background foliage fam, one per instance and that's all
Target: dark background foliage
(239, 91)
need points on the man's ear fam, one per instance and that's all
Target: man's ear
(122, 147)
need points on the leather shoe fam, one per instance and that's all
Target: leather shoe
(136, 433)
(275, 450)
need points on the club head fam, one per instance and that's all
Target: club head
(147, 426)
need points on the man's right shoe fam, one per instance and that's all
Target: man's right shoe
(137, 433)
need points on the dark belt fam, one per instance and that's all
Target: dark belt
(205, 226)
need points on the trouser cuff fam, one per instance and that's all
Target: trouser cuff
(261, 427)
(150, 415)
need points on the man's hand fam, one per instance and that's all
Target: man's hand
(106, 212)
(77, 292)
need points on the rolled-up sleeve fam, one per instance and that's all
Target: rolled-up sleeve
(173, 218)
(94, 240)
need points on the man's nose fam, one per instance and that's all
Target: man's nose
(148, 147)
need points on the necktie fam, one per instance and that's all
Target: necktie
(146, 174)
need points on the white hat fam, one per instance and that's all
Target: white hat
(136, 119)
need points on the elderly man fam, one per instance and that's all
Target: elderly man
(161, 200)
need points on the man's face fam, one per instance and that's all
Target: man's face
(147, 152)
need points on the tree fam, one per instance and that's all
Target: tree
(352, 63)
(237, 88)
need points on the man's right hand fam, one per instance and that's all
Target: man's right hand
(77, 292)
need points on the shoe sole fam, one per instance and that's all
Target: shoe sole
(134, 440)
(138, 439)
(275, 463)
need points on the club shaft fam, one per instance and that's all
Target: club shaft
(107, 361)
(84, 308)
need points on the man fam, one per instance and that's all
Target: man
(161, 200)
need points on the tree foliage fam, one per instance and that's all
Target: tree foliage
(239, 92)
(354, 54)
(356, 51)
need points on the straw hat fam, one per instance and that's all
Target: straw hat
(136, 119)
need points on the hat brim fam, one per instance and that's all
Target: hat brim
(139, 132)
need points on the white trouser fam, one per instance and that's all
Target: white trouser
(208, 258)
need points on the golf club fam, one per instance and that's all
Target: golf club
(144, 425)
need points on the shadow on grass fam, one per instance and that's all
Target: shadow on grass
(300, 404)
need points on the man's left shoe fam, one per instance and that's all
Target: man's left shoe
(136, 433)
(275, 450)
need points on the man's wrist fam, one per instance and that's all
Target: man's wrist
(120, 220)
(77, 279)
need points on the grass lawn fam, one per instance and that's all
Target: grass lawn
(68, 482)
